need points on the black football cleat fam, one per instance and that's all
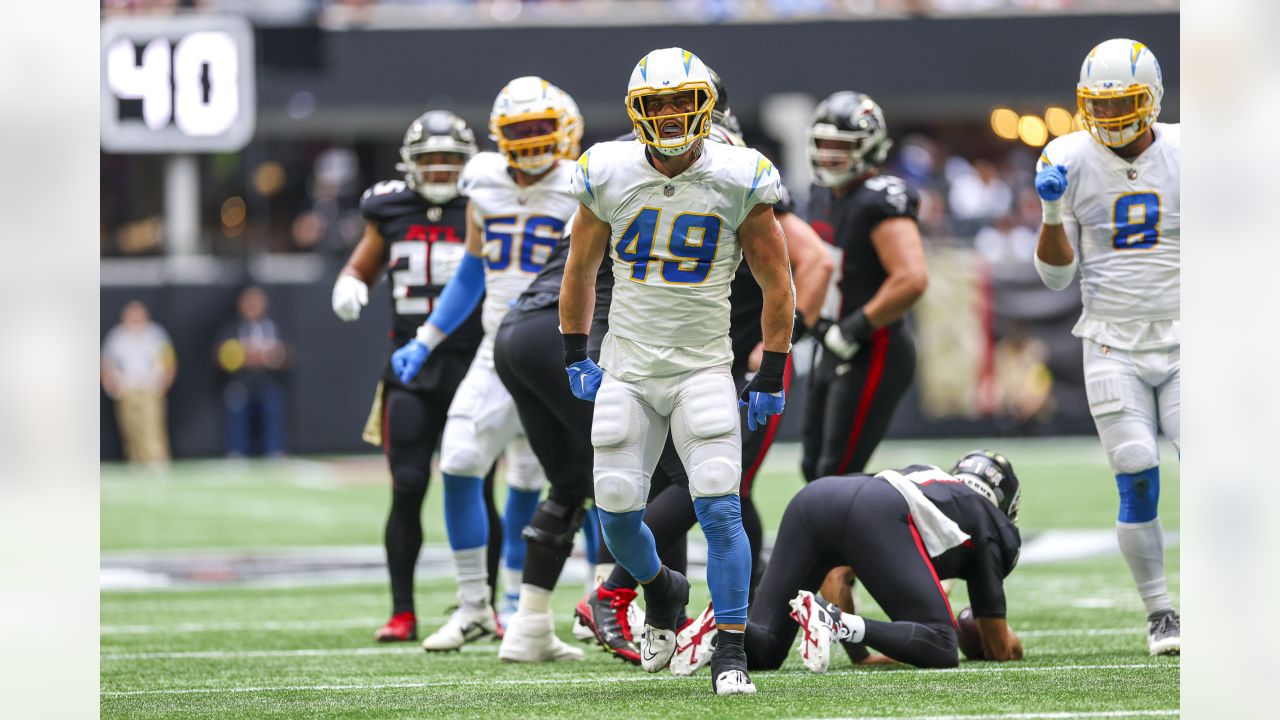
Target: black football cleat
(605, 613)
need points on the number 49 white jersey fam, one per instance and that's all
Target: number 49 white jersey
(1124, 219)
(521, 227)
(674, 244)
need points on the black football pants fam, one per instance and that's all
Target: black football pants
(412, 421)
(850, 403)
(860, 521)
(529, 357)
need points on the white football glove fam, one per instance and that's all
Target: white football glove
(840, 346)
(349, 296)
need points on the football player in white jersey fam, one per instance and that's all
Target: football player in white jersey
(519, 199)
(677, 215)
(1112, 209)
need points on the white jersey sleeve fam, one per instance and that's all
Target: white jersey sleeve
(521, 226)
(1123, 219)
(674, 244)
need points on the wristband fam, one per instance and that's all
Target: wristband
(430, 335)
(773, 365)
(575, 347)
(1052, 210)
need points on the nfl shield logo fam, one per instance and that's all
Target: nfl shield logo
(669, 190)
(434, 214)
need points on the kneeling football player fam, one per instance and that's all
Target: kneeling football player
(900, 531)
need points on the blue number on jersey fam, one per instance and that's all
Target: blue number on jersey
(635, 245)
(529, 262)
(699, 254)
(693, 243)
(498, 242)
(1137, 221)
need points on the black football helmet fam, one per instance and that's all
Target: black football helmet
(852, 118)
(990, 474)
(436, 131)
(721, 114)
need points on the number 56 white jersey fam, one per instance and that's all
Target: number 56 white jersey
(674, 243)
(521, 227)
(1124, 220)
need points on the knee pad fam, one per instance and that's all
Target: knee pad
(554, 525)
(524, 472)
(714, 477)
(459, 450)
(1139, 495)
(409, 482)
(1133, 455)
(619, 491)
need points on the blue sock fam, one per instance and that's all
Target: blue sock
(591, 535)
(521, 505)
(728, 556)
(631, 543)
(465, 520)
(1139, 495)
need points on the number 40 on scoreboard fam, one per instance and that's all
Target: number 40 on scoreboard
(177, 85)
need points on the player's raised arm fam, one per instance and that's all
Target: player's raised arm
(588, 239)
(1055, 259)
(811, 265)
(457, 301)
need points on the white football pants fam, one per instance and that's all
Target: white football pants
(1133, 395)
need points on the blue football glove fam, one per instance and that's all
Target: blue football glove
(408, 360)
(764, 395)
(761, 405)
(1051, 182)
(584, 379)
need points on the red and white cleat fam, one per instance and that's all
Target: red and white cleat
(694, 644)
(400, 628)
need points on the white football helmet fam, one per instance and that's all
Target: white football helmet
(436, 131)
(1119, 92)
(573, 132)
(671, 71)
(530, 122)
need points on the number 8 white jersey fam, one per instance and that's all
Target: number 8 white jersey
(674, 245)
(1123, 219)
(521, 226)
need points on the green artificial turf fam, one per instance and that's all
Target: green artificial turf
(306, 651)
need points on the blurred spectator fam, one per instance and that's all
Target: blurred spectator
(978, 196)
(253, 356)
(138, 366)
(1024, 383)
(1009, 247)
(333, 222)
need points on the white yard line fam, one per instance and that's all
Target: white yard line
(596, 677)
(317, 652)
(371, 623)
(1029, 716)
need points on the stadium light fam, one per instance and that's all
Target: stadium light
(1058, 120)
(1032, 130)
(233, 215)
(1004, 123)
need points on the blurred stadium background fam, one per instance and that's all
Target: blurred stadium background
(971, 90)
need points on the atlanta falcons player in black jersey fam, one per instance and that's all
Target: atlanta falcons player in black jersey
(868, 359)
(414, 231)
(901, 531)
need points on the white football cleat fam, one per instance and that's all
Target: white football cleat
(531, 637)
(466, 624)
(818, 631)
(656, 648)
(694, 644)
(1164, 633)
(734, 682)
(581, 632)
